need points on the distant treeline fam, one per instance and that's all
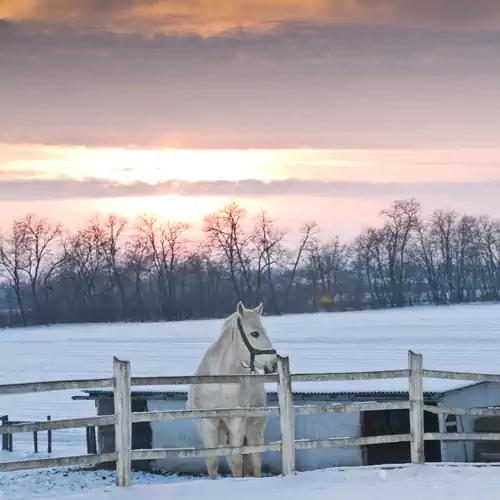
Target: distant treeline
(145, 270)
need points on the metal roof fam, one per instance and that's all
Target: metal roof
(159, 394)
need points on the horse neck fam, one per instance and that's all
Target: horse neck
(220, 358)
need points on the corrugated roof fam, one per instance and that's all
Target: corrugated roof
(92, 393)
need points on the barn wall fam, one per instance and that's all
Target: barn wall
(476, 396)
(183, 434)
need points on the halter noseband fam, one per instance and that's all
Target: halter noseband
(251, 349)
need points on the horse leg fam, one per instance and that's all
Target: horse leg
(236, 428)
(247, 464)
(209, 432)
(254, 437)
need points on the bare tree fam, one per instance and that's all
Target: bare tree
(108, 237)
(109, 271)
(167, 249)
(14, 259)
(289, 269)
(326, 262)
(401, 221)
(83, 266)
(136, 262)
(224, 231)
(42, 248)
(268, 239)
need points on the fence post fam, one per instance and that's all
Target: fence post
(286, 410)
(49, 437)
(91, 440)
(5, 437)
(416, 396)
(123, 426)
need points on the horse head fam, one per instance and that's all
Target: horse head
(254, 344)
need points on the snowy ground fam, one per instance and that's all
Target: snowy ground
(413, 483)
(462, 338)
(53, 483)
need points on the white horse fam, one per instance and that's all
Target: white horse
(243, 347)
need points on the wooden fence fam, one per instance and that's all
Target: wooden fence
(122, 382)
(7, 439)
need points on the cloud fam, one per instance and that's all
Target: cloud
(65, 188)
(209, 17)
(342, 86)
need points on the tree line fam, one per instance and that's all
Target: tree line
(149, 270)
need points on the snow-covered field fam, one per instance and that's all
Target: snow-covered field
(461, 338)
(412, 483)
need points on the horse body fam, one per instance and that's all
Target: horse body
(242, 347)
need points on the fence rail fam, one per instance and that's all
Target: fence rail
(103, 383)
(122, 420)
(57, 424)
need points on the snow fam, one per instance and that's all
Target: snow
(432, 482)
(51, 483)
(460, 338)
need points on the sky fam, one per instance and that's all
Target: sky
(326, 109)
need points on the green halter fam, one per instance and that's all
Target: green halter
(251, 349)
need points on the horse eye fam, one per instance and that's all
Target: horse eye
(254, 334)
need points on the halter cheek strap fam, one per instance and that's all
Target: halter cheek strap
(251, 349)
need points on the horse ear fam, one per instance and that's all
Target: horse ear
(259, 308)
(240, 308)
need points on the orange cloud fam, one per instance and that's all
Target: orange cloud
(210, 17)
(204, 17)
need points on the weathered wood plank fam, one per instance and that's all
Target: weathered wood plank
(61, 385)
(223, 451)
(55, 385)
(345, 376)
(48, 463)
(462, 436)
(286, 411)
(352, 407)
(57, 424)
(308, 444)
(201, 379)
(298, 377)
(469, 376)
(123, 425)
(154, 416)
(416, 396)
(475, 412)
(303, 444)
(272, 411)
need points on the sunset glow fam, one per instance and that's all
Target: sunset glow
(325, 110)
(126, 165)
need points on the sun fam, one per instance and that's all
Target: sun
(156, 166)
(153, 166)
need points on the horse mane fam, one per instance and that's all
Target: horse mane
(221, 345)
(228, 327)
